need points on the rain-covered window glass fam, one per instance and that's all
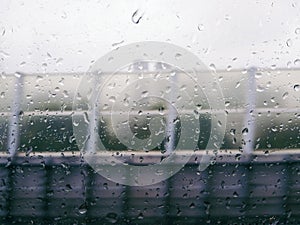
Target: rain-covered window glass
(149, 112)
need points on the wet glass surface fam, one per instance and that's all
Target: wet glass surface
(66, 122)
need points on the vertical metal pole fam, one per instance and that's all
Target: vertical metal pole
(249, 122)
(13, 127)
(93, 117)
(172, 115)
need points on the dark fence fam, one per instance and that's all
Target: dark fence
(236, 189)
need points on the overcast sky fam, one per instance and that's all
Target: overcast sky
(66, 36)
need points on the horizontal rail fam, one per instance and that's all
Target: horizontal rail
(154, 112)
(222, 156)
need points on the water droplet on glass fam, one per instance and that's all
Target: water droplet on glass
(136, 17)
(2, 94)
(212, 67)
(117, 43)
(141, 216)
(232, 132)
(260, 89)
(82, 209)
(200, 27)
(64, 15)
(297, 62)
(192, 205)
(289, 43)
(285, 95)
(297, 87)
(235, 194)
(258, 75)
(111, 217)
(112, 98)
(297, 31)
(245, 131)
(177, 56)
(18, 74)
(144, 94)
(65, 93)
(44, 65)
(28, 151)
(69, 187)
(59, 60)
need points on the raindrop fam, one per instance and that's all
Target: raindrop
(44, 65)
(237, 157)
(18, 74)
(28, 151)
(297, 62)
(3, 53)
(289, 43)
(69, 187)
(117, 43)
(75, 123)
(61, 81)
(111, 217)
(285, 95)
(297, 87)
(82, 209)
(66, 94)
(232, 132)
(59, 60)
(112, 98)
(200, 27)
(192, 205)
(177, 56)
(140, 216)
(258, 75)
(64, 15)
(136, 17)
(235, 194)
(297, 31)
(219, 123)
(144, 94)
(245, 131)
(212, 67)
(2, 95)
(260, 89)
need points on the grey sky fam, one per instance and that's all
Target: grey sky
(66, 36)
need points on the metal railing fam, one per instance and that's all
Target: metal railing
(261, 185)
